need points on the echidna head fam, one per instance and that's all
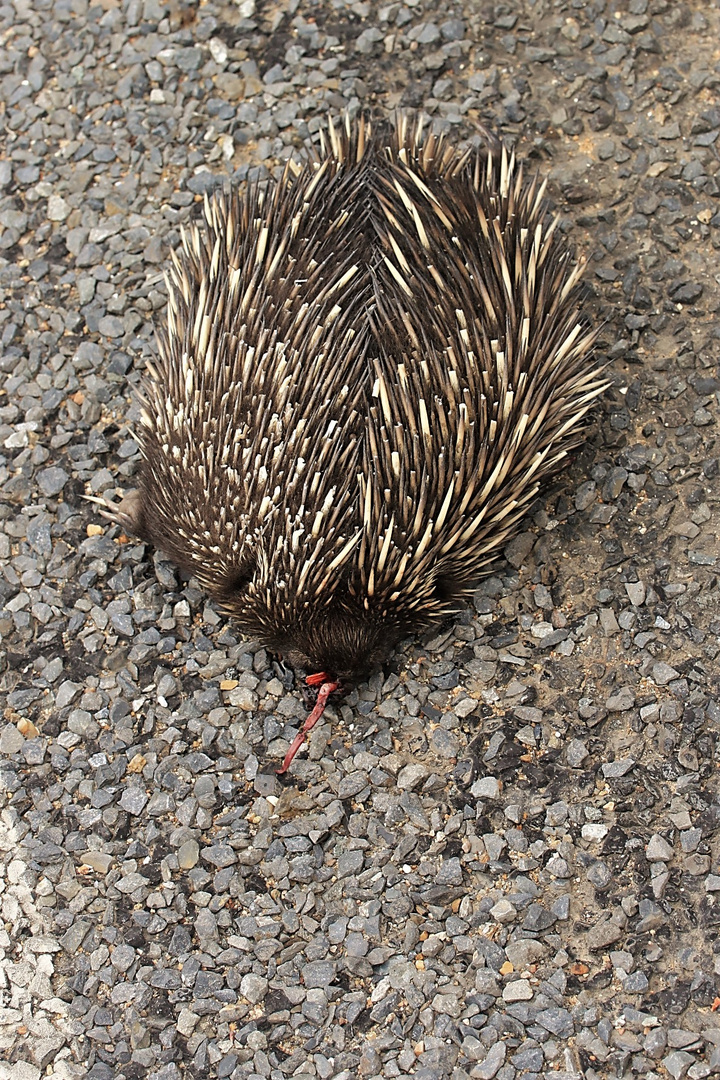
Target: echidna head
(339, 635)
(341, 643)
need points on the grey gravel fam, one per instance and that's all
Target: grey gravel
(499, 856)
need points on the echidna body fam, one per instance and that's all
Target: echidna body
(370, 365)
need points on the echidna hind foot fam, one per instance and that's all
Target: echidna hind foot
(369, 367)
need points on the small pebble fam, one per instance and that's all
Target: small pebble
(520, 990)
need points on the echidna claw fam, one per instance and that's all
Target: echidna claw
(127, 513)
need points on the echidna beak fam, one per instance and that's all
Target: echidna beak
(327, 687)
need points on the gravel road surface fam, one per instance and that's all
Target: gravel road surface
(501, 855)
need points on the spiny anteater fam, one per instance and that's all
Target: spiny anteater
(369, 367)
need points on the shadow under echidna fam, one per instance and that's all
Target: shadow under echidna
(369, 368)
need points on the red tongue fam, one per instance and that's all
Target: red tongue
(327, 686)
(318, 678)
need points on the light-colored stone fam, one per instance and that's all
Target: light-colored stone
(57, 208)
(487, 787)
(519, 990)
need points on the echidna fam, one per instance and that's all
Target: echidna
(369, 367)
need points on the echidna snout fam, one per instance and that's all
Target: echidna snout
(344, 645)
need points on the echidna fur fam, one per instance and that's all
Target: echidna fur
(369, 368)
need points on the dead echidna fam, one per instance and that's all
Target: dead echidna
(369, 367)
